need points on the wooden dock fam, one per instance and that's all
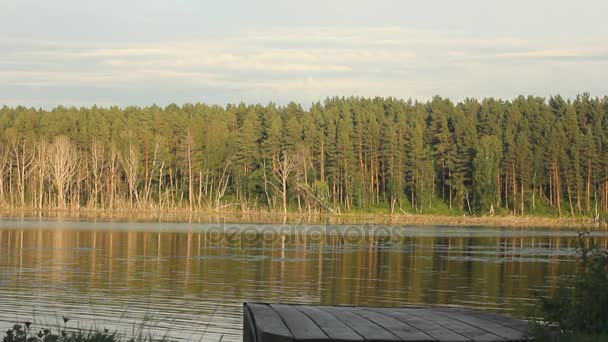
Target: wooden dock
(294, 323)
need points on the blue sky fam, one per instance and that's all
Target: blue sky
(79, 52)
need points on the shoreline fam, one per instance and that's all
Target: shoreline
(187, 216)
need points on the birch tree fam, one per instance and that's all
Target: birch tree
(63, 162)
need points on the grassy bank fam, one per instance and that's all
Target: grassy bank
(64, 332)
(179, 215)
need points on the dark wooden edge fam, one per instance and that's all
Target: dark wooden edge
(249, 333)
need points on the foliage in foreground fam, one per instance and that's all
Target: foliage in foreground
(27, 333)
(545, 336)
(579, 310)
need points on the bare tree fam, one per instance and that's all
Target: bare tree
(285, 165)
(189, 147)
(129, 160)
(215, 185)
(5, 165)
(270, 203)
(41, 170)
(23, 157)
(222, 184)
(302, 162)
(160, 184)
(156, 166)
(82, 175)
(63, 162)
(113, 176)
(98, 166)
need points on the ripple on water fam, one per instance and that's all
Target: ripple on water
(189, 280)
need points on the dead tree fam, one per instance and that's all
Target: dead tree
(113, 175)
(285, 165)
(189, 150)
(5, 165)
(156, 166)
(98, 168)
(63, 162)
(23, 157)
(129, 160)
(41, 170)
(215, 186)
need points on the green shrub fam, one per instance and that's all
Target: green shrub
(21, 334)
(580, 306)
(26, 333)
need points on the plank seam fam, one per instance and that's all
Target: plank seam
(406, 323)
(495, 322)
(441, 325)
(456, 332)
(390, 332)
(323, 330)
(478, 327)
(293, 337)
(338, 318)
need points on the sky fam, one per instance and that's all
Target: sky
(144, 52)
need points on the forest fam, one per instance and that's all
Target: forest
(525, 156)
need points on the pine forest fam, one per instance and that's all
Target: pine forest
(526, 156)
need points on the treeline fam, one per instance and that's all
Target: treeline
(528, 155)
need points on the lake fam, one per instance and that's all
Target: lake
(189, 280)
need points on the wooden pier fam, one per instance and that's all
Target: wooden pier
(294, 323)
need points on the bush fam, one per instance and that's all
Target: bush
(26, 333)
(580, 306)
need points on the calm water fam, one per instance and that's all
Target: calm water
(189, 280)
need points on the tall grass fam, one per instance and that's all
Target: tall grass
(30, 332)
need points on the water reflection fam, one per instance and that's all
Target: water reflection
(190, 280)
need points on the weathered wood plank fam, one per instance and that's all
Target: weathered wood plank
(266, 323)
(504, 320)
(470, 331)
(405, 331)
(303, 323)
(492, 327)
(301, 326)
(333, 327)
(364, 327)
(437, 331)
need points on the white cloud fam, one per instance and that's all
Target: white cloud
(297, 63)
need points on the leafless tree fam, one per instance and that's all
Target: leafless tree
(157, 165)
(285, 165)
(41, 169)
(98, 167)
(302, 162)
(129, 160)
(23, 156)
(266, 185)
(5, 165)
(222, 185)
(113, 176)
(63, 162)
(81, 179)
(189, 147)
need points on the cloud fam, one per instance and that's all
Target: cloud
(584, 53)
(299, 63)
